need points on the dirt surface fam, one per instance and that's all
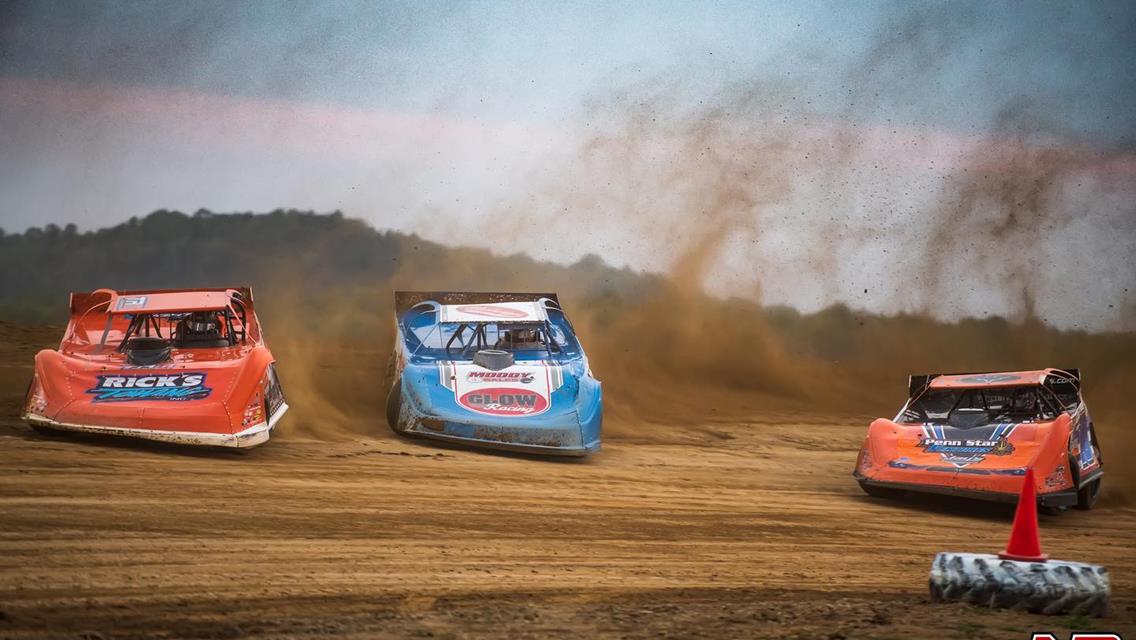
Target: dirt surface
(743, 526)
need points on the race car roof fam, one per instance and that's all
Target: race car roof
(1004, 379)
(519, 312)
(170, 302)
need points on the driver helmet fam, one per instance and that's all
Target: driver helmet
(1024, 402)
(525, 335)
(202, 322)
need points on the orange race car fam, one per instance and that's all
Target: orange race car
(975, 434)
(183, 366)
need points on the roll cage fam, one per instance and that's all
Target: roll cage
(469, 337)
(234, 318)
(148, 325)
(973, 406)
(478, 340)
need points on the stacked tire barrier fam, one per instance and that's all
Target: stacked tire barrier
(1021, 577)
(1051, 587)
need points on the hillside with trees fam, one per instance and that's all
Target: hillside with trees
(333, 276)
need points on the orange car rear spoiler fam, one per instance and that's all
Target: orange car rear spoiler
(917, 383)
(82, 302)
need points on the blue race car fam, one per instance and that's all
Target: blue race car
(497, 370)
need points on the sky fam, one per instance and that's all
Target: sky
(818, 152)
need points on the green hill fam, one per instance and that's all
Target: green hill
(300, 251)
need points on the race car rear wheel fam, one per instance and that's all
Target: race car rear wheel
(1053, 587)
(1088, 495)
(394, 406)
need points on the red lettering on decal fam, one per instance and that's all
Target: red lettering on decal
(504, 401)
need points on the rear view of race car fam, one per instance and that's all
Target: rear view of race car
(181, 366)
(496, 370)
(976, 434)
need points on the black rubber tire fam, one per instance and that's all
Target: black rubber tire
(394, 406)
(47, 432)
(28, 393)
(886, 493)
(1088, 495)
(1052, 588)
(1052, 510)
(390, 370)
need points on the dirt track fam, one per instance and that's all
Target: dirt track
(739, 528)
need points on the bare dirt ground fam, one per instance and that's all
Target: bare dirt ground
(740, 527)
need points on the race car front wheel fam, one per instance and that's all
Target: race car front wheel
(394, 406)
(1088, 495)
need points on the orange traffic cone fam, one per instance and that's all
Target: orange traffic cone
(1025, 543)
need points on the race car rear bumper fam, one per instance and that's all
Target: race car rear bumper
(255, 435)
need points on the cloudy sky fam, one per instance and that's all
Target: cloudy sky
(817, 153)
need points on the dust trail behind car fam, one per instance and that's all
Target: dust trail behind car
(673, 359)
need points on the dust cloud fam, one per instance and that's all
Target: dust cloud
(752, 192)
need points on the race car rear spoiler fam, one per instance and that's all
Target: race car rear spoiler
(81, 302)
(404, 300)
(917, 383)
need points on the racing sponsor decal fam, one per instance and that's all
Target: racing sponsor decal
(962, 452)
(130, 387)
(273, 392)
(524, 377)
(524, 389)
(504, 401)
(989, 378)
(1083, 437)
(1060, 379)
(131, 302)
(492, 311)
(1057, 478)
